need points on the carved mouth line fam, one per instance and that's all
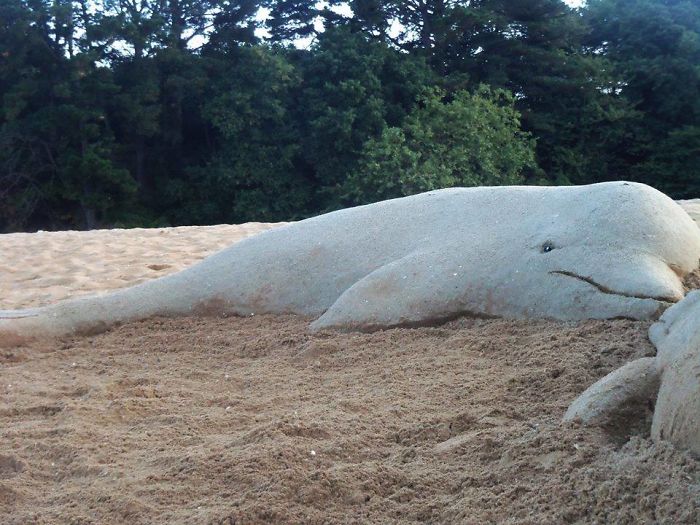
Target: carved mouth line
(608, 291)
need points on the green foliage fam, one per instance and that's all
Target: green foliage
(534, 49)
(674, 164)
(470, 140)
(157, 112)
(57, 160)
(654, 49)
(253, 161)
(353, 88)
(292, 19)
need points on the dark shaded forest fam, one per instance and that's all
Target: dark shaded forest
(168, 112)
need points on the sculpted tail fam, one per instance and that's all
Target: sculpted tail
(97, 313)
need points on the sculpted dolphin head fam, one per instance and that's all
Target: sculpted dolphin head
(628, 239)
(605, 250)
(618, 249)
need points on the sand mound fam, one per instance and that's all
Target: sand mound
(41, 268)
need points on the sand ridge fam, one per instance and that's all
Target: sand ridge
(691, 207)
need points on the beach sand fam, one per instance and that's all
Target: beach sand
(692, 208)
(44, 267)
(256, 420)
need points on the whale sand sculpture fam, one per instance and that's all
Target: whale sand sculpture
(600, 251)
(673, 376)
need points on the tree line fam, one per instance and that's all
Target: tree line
(167, 112)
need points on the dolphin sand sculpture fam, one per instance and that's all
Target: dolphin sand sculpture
(606, 250)
(672, 377)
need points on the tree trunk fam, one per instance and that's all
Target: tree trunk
(89, 217)
(177, 25)
(89, 213)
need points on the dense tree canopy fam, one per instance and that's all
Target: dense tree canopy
(165, 112)
(471, 140)
(654, 49)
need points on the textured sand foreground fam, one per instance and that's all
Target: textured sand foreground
(255, 420)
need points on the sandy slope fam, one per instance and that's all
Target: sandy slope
(256, 420)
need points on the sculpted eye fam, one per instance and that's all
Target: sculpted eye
(547, 247)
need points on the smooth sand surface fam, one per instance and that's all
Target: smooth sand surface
(692, 208)
(256, 420)
(44, 267)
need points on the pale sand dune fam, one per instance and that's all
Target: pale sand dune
(40, 268)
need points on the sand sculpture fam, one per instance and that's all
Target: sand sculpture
(606, 250)
(673, 376)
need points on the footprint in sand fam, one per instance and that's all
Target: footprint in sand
(159, 267)
(10, 466)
